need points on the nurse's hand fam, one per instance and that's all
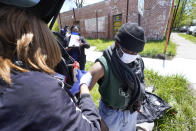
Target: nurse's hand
(83, 78)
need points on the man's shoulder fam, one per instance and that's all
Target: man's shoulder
(101, 59)
(103, 62)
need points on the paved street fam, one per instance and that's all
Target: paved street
(184, 63)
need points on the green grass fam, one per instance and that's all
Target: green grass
(173, 89)
(153, 49)
(100, 44)
(188, 37)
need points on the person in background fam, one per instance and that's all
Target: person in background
(31, 97)
(65, 32)
(78, 53)
(120, 75)
(62, 32)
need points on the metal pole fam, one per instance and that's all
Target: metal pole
(108, 26)
(169, 25)
(97, 23)
(74, 15)
(127, 11)
(139, 19)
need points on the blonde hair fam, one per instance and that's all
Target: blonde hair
(29, 38)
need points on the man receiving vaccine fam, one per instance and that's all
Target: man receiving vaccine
(120, 75)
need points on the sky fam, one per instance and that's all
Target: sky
(68, 5)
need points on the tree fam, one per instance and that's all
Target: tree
(79, 3)
(180, 12)
(189, 13)
(186, 13)
(56, 26)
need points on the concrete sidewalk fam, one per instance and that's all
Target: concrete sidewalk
(183, 64)
(186, 49)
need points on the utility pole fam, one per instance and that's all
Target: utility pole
(74, 15)
(97, 23)
(139, 19)
(127, 11)
(168, 28)
(108, 26)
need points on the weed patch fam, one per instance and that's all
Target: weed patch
(173, 89)
(152, 49)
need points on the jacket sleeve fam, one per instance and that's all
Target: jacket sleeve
(89, 110)
(85, 118)
(40, 103)
(85, 43)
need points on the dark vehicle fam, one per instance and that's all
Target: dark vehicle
(184, 29)
(194, 32)
(175, 29)
(191, 29)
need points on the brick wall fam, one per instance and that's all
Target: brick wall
(96, 20)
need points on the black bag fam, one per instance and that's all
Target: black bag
(153, 107)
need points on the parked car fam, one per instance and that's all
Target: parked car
(194, 32)
(175, 29)
(191, 29)
(184, 29)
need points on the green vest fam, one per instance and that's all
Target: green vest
(110, 88)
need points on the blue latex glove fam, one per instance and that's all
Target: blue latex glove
(76, 86)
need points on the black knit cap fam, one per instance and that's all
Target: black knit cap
(131, 37)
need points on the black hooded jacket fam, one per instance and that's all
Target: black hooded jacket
(36, 101)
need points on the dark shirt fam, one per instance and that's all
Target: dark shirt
(63, 32)
(78, 53)
(36, 101)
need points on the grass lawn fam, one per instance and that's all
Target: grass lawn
(188, 37)
(100, 44)
(153, 49)
(173, 89)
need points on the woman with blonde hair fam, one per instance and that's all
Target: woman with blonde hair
(30, 97)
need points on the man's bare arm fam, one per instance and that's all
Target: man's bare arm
(97, 72)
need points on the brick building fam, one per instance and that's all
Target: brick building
(102, 20)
